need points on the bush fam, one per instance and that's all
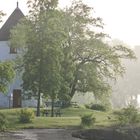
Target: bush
(26, 115)
(87, 106)
(129, 115)
(87, 120)
(3, 122)
(98, 107)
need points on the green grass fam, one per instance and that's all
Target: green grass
(68, 112)
(49, 122)
(70, 119)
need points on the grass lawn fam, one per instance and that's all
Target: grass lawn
(70, 119)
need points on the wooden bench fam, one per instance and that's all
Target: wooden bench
(74, 104)
(58, 113)
(45, 112)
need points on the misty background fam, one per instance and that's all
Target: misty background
(125, 90)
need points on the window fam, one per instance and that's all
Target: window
(13, 50)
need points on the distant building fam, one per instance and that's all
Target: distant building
(13, 98)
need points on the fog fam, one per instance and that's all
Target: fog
(127, 88)
(125, 91)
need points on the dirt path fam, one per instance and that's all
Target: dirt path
(40, 134)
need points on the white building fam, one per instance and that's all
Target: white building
(13, 98)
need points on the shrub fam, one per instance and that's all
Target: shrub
(87, 106)
(87, 120)
(3, 122)
(129, 115)
(98, 107)
(26, 115)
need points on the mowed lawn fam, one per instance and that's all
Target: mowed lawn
(71, 118)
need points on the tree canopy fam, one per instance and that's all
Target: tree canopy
(93, 60)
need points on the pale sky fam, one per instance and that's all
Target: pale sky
(121, 17)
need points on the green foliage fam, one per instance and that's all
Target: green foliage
(64, 53)
(7, 73)
(36, 5)
(94, 61)
(87, 120)
(40, 38)
(129, 115)
(26, 115)
(3, 122)
(98, 107)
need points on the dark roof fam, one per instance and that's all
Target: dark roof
(10, 23)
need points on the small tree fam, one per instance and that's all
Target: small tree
(7, 73)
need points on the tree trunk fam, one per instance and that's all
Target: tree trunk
(73, 87)
(40, 83)
(52, 108)
(38, 105)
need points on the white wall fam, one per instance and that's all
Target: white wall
(15, 84)
(4, 101)
(5, 51)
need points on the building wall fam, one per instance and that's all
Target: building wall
(5, 51)
(5, 99)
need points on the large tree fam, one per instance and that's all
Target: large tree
(91, 59)
(39, 37)
(64, 52)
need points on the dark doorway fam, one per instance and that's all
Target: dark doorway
(16, 98)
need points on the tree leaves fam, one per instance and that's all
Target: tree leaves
(90, 52)
(7, 73)
(1, 15)
(65, 51)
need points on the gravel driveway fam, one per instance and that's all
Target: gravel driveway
(39, 134)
